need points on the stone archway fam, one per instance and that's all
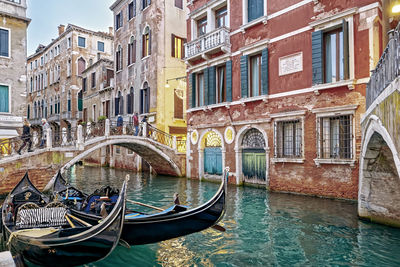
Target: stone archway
(211, 148)
(379, 185)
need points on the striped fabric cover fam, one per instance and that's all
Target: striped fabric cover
(42, 217)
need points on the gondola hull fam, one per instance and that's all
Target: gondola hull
(159, 227)
(69, 246)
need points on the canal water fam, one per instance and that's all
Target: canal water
(263, 228)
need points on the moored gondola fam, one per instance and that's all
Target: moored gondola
(47, 234)
(176, 221)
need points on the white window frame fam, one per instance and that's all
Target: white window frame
(104, 46)
(9, 43)
(9, 98)
(334, 112)
(245, 17)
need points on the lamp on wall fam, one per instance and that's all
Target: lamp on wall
(396, 7)
(176, 79)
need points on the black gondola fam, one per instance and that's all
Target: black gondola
(176, 221)
(44, 233)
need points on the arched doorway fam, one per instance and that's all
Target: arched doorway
(253, 157)
(212, 153)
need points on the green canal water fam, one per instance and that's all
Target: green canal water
(263, 229)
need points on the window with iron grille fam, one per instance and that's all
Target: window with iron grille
(335, 137)
(288, 139)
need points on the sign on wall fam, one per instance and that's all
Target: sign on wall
(291, 64)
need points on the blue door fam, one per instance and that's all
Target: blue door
(213, 160)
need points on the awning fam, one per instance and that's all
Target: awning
(6, 133)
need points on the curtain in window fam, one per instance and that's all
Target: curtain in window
(4, 99)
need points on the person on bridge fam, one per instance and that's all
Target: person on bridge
(135, 119)
(45, 126)
(26, 137)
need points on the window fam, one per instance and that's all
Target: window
(94, 113)
(255, 9)
(117, 150)
(93, 80)
(28, 112)
(333, 51)
(36, 64)
(81, 41)
(178, 103)
(330, 54)
(118, 58)
(146, 45)
(145, 99)
(221, 17)
(119, 104)
(55, 51)
(145, 3)
(132, 9)
(4, 98)
(255, 75)
(179, 4)
(31, 84)
(69, 106)
(81, 65)
(84, 84)
(118, 20)
(41, 61)
(221, 84)
(201, 26)
(200, 90)
(69, 68)
(130, 101)
(335, 137)
(288, 139)
(132, 51)
(100, 46)
(69, 44)
(177, 47)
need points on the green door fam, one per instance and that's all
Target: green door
(213, 160)
(253, 164)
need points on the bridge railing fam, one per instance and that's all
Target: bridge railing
(93, 129)
(181, 144)
(159, 136)
(387, 69)
(64, 137)
(10, 146)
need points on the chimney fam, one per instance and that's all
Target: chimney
(61, 29)
(110, 30)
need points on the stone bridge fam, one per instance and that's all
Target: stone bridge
(379, 180)
(165, 153)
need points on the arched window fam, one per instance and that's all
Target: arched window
(146, 42)
(118, 58)
(121, 103)
(116, 104)
(145, 99)
(81, 65)
(132, 51)
(130, 97)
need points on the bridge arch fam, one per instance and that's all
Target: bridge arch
(155, 154)
(379, 175)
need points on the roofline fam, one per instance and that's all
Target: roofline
(25, 19)
(116, 3)
(106, 60)
(70, 28)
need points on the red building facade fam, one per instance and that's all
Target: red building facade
(277, 89)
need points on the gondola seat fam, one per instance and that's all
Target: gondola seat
(41, 217)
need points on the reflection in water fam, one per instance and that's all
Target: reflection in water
(263, 229)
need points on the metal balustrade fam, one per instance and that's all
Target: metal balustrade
(387, 69)
(205, 43)
(75, 137)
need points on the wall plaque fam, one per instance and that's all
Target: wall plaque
(291, 64)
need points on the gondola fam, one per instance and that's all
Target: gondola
(175, 221)
(45, 233)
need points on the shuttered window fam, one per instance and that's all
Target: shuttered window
(254, 74)
(255, 9)
(221, 84)
(4, 43)
(146, 43)
(330, 55)
(177, 46)
(229, 81)
(4, 98)
(132, 9)
(118, 20)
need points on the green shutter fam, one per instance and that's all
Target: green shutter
(193, 82)
(211, 85)
(229, 81)
(264, 71)
(346, 57)
(205, 87)
(4, 98)
(244, 62)
(316, 39)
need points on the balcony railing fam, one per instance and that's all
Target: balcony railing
(35, 121)
(66, 115)
(207, 43)
(387, 69)
(54, 117)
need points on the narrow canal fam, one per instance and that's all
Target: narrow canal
(263, 229)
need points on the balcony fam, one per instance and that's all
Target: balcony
(79, 115)
(66, 115)
(210, 43)
(36, 121)
(54, 118)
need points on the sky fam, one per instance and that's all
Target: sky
(46, 15)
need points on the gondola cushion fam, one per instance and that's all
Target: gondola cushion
(42, 217)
